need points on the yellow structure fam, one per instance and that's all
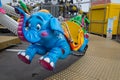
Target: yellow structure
(99, 16)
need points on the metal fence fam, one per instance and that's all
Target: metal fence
(59, 10)
(54, 9)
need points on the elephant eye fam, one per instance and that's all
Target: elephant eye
(29, 25)
(38, 27)
(26, 28)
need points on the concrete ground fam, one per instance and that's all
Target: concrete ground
(102, 55)
(11, 68)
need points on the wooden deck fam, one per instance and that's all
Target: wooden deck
(7, 41)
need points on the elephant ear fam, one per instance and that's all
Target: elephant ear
(55, 25)
(18, 10)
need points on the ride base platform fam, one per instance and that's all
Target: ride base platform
(101, 62)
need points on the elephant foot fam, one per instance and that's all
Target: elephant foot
(22, 57)
(46, 63)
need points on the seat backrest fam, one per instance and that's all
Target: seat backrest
(74, 34)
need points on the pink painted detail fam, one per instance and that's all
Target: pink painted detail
(46, 65)
(21, 19)
(86, 36)
(2, 11)
(24, 59)
(19, 27)
(22, 37)
(19, 30)
(82, 22)
(20, 33)
(22, 16)
(44, 33)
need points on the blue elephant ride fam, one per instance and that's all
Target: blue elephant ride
(47, 38)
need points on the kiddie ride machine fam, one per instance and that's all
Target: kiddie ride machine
(48, 38)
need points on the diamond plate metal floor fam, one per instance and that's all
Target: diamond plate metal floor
(101, 62)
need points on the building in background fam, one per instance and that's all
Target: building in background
(29, 2)
(6, 1)
(84, 5)
(95, 2)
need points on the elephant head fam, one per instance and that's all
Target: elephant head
(39, 25)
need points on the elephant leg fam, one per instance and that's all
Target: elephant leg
(27, 56)
(84, 47)
(49, 60)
